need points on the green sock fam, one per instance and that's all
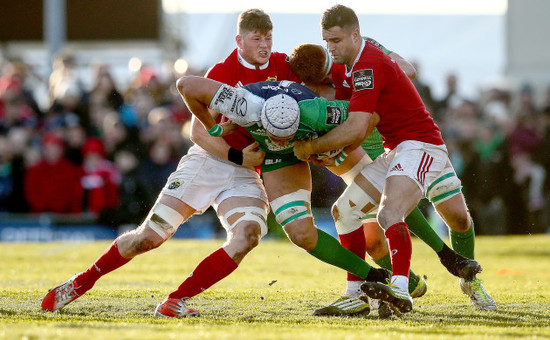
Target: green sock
(420, 227)
(463, 243)
(385, 262)
(329, 250)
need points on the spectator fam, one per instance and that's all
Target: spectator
(52, 184)
(100, 179)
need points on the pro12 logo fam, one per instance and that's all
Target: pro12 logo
(363, 79)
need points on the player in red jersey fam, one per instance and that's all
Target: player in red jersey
(415, 154)
(214, 172)
(250, 62)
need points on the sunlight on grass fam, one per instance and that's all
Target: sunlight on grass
(270, 296)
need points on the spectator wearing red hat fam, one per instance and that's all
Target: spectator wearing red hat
(52, 184)
(99, 180)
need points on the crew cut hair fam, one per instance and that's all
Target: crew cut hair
(341, 16)
(254, 20)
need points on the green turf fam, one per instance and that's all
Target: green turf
(270, 296)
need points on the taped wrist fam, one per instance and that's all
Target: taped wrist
(340, 158)
(235, 156)
(215, 131)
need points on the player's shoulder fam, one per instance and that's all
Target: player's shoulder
(222, 70)
(279, 57)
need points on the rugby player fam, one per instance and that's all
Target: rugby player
(416, 163)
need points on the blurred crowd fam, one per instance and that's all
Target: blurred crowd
(103, 151)
(107, 151)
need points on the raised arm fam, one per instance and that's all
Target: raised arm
(197, 93)
(237, 104)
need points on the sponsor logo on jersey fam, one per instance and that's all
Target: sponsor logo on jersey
(295, 91)
(334, 115)
(239, 107)
(227, 93)
(363, 79)
(273, 161)
(175, 184)
(397, 167)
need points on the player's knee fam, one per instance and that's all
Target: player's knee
(246, 237)
(350, 208)
(302, 235)
(238, 220)
(144, 244)
(387, 217)
(460, 222)
(376, 246)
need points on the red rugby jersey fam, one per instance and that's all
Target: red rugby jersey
(377, 84)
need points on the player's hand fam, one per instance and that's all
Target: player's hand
(228, 128)
(252, 155)
(325, 161)
(302, 149)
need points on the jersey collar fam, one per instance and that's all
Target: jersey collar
(249, 65)
(349, 69)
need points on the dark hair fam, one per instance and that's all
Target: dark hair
(309, 63)
(339, 15)
(254, 20)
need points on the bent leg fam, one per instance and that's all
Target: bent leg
(455, 214)
(135, 242)
(289, 191)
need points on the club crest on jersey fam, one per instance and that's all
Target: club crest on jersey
(175, 184)
(363, 79)
(271, 78)
(334, 115)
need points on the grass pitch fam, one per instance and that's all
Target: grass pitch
(270, 296)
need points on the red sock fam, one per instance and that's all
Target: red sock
(355, 242)
(399, 242)
(212, 269)
(105, 263)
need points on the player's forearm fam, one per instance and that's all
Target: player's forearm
(214, 145)
(349, 134)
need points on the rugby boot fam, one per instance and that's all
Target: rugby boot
(459, 265)
(478, 295)
(174, 308)
(60, 296)
(344, 306)
(398, 298)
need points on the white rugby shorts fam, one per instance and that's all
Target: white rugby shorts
(202, 180)
(422, 162)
